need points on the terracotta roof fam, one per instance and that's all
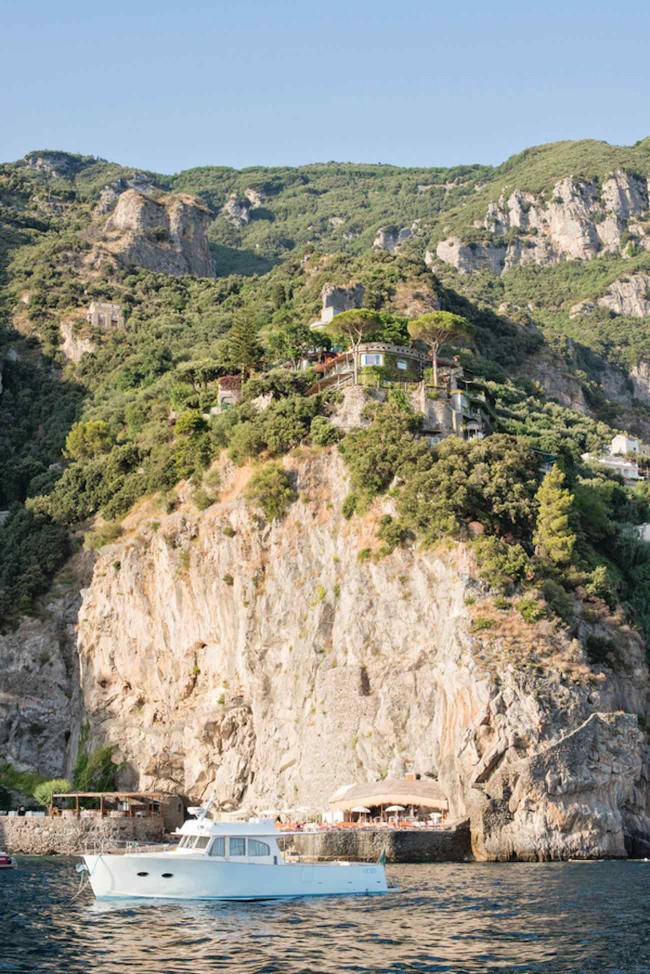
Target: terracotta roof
(392, 791)
(229, 382)
(329, 363)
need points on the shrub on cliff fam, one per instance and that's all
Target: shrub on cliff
(322, 433)
(86, 440)
(23, 782)
(94, 770)
(279, 428)
(193, 447)
(387, 448)
(271, 489)
(32, 549)
(56, 786)
(501, 565)
(492, 481)
(279, 382)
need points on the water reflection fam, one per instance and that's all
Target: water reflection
(576, 918)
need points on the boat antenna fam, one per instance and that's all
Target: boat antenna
(206, 808)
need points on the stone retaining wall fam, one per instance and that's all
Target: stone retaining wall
(400, 845)
(71, 837)
(57, 836)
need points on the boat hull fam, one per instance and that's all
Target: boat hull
(172, 877)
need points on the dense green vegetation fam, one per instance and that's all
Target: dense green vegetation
(22, 782)
(94, 770)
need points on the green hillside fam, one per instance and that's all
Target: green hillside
(132, 419)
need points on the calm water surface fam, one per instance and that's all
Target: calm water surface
(586, 918)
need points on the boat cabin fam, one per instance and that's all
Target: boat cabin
(254, 842)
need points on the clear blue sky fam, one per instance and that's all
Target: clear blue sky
(170, 85)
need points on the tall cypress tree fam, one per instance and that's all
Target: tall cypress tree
(553, 537)
(243, 349)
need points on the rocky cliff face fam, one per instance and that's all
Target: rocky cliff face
(391, 238)
(167, 234)
(216, 649)
(39, 703)
(74, 343)
(236, 210)
(627, 296)
(579, 221)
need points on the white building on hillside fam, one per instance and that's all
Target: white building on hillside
(621, 458)
(622, 445)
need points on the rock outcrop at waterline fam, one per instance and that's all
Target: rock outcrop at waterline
(272, 662)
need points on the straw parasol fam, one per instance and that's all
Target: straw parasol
(361, 810)
(395, 808)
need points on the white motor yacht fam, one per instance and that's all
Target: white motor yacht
(226, 861)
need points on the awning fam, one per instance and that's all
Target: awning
(421, 793)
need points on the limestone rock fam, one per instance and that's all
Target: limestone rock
(569, 219)
(580, 221)
(558, 383)
(582, 309)
(496, 221)
(629, 296)
(625, 194)
(640, 378)
(167, 234)
(472, 257)
(107, 200)
(37, 689)
(256, 197)
(337, 299)
(550, 804)
(236, 211)
(390, 238)
(415, 299)
(56, 163)
(74, 342)
(255, 685)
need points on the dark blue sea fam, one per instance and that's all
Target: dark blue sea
(583, 918)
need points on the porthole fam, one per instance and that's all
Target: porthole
(167, 875)
(143, 874)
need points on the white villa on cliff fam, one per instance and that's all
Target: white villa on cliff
(625, 456)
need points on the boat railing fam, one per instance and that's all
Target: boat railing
(104, 846)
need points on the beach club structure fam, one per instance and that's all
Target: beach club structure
(119, 805)
(393, 799)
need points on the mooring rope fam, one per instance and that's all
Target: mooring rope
(86, 873)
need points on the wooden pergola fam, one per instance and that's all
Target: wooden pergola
(138, 803)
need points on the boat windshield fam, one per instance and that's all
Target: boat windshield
(198, 842)
(237, 846)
